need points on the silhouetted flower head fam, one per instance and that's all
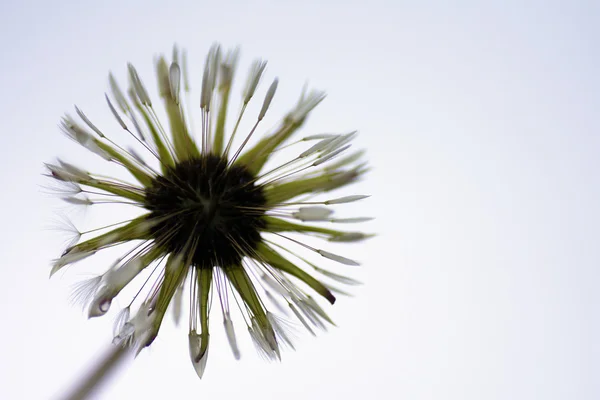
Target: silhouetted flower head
(217, 217)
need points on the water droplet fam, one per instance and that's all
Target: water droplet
(104, 305)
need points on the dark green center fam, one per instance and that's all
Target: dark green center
(208, 208)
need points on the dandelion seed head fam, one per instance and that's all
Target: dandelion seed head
(214, 218)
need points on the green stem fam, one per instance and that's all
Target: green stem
(109, 361)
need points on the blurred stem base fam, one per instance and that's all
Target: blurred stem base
(113, 356)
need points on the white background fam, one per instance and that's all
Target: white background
(481, 123)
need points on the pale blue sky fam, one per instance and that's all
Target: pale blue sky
(481, 122)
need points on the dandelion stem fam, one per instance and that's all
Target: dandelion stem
(99, 372)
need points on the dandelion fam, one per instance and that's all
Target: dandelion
(217, 217)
